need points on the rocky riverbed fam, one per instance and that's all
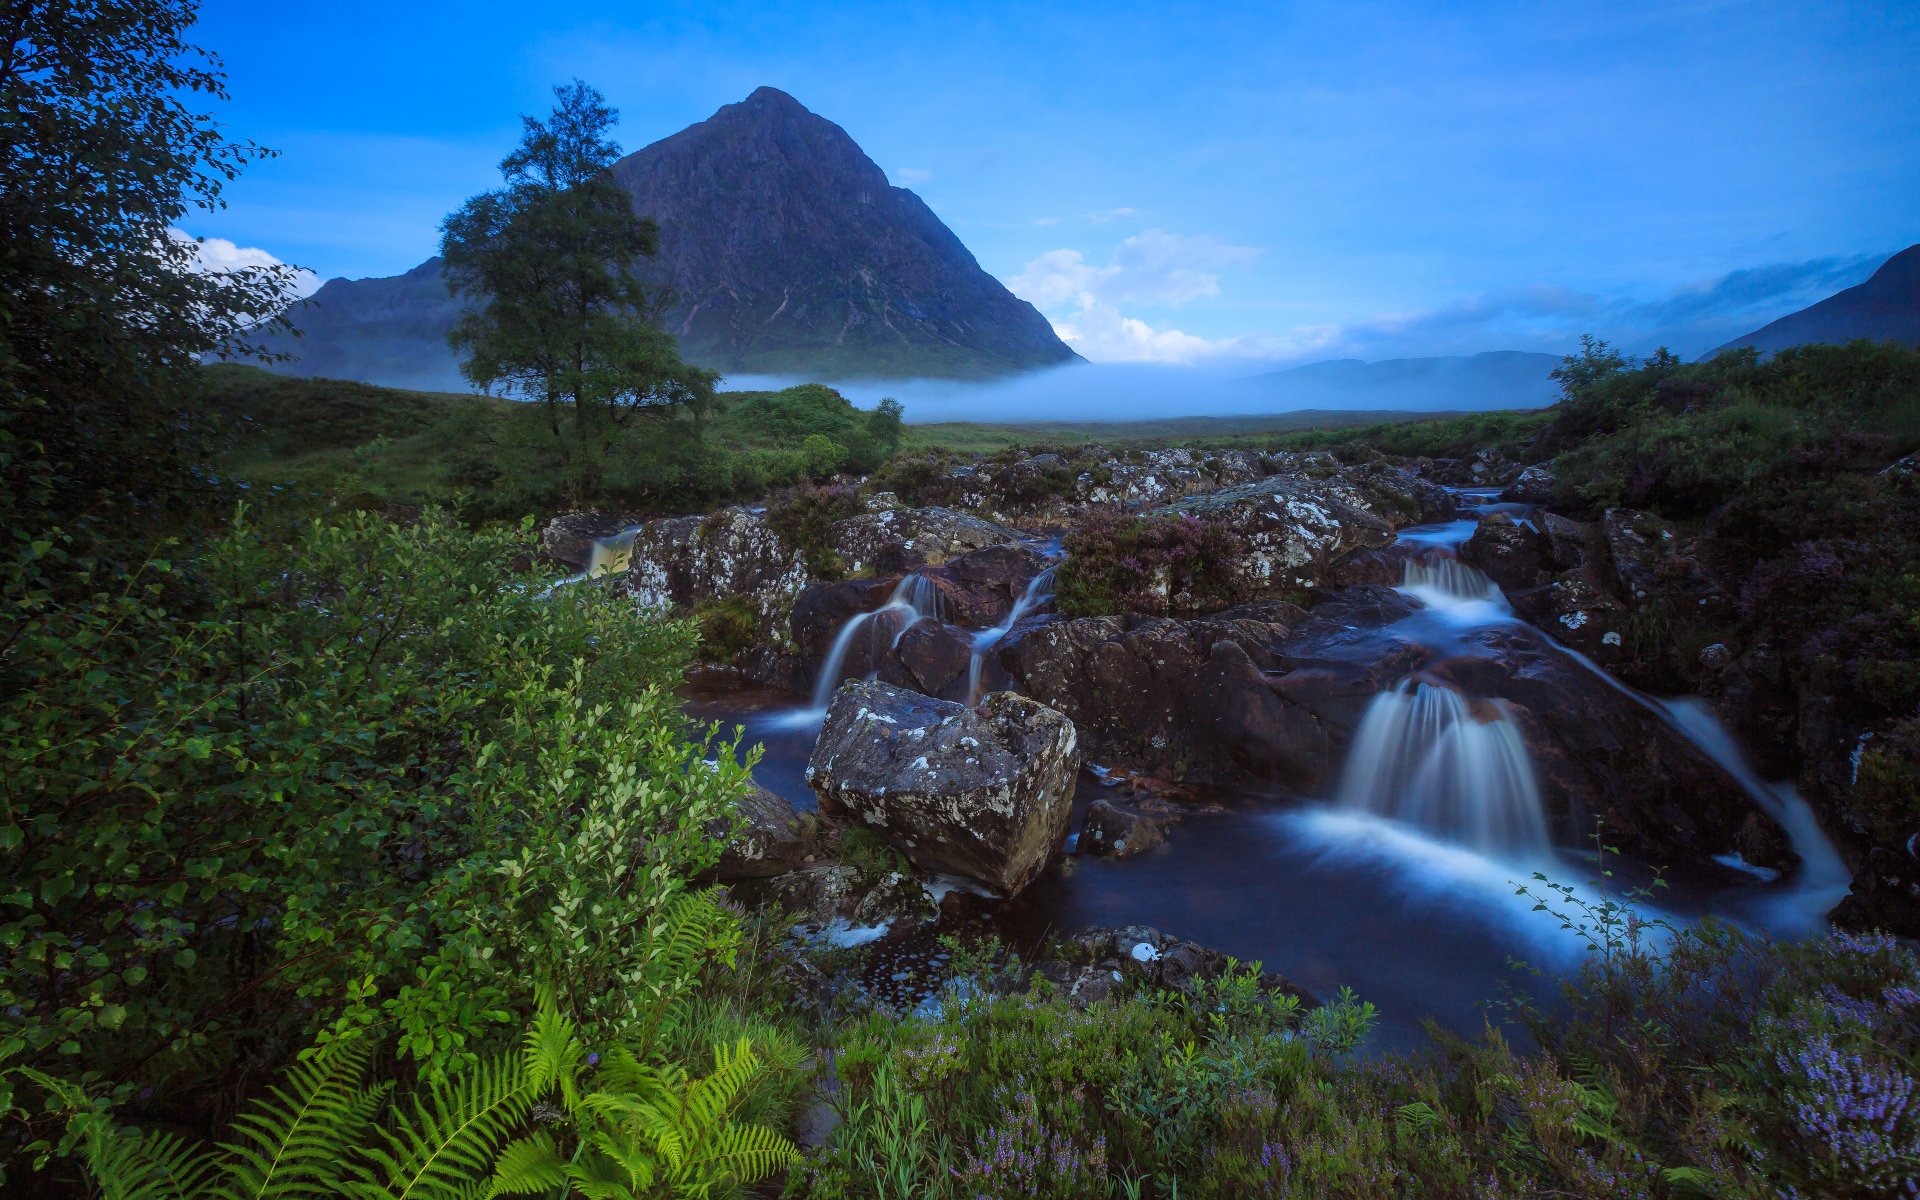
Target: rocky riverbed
(910, 671)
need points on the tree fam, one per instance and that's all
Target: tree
(561, 317)
(103, 313)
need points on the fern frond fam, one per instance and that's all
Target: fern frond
(750, 1153)
(129, 1165)
(295, 1142)
(528, 1167)
(554, 1054)
(446, 1148)
(710, 1101)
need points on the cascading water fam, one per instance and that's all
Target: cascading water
(1039, 591)
(1443, 580)
(914, 599)
(1425, 755)
(605, 556)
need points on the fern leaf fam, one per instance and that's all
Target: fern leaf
(129, 1165)
(295, 1142)
(750, 1153)
(554, 1054)
(445, 1149)
(528, 1167)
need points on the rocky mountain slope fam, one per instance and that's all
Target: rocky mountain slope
(1884, 308)
(786, 249)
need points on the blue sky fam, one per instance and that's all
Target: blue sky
(1209, 184)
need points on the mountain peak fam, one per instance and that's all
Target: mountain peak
(785, 250)
(773, 98)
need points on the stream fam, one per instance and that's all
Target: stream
(1400, 883)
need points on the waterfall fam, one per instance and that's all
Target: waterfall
(1444, 582)
(611, 554)
(1039, 591)
(914, 599)
(1425, 756)
(605, 556)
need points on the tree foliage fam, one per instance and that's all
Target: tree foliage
(560, 315)
(108, 147)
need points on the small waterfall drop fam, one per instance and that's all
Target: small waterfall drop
(1039, 591)
(1444, 583)
(914, 599)
(1425, 755)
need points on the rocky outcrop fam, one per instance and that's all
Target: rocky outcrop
(980, 793)
(769, 839)
(1535, 485)
(922, 535)
(1191, 699)
(1294, 528)
(1510, 553)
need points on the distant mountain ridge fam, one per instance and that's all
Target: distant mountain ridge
(1884, 308)
(787, 253)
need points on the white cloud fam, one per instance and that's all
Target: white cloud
(1110, 214)
(911, 176)
(1154, 267)
(1046, 220)
(1151, 268)
(218, 254)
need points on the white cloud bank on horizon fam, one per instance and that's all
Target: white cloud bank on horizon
(1086, 305)
(1083, 301)
(215, 254)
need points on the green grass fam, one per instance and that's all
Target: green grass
(1331, 427)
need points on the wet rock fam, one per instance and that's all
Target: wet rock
(1508, 552)
(1113, 831)
(1189, 698)
(981, 587)
(1716, 657)
(1535, 485)
(932, 659)
(981, 793)
(771, 839)
(1579, 609)
(1600, 754)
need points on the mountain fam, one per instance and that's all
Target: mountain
(1495, 379)
(787, 253)
(1884, 308)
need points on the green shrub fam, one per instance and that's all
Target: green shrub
(363, 775)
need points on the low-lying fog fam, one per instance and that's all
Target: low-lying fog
(1133, 392)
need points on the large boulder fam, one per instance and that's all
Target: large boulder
(982, 793)
(1186, 698)
(1508, 552)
